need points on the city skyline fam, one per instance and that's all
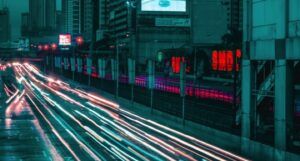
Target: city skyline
(16, 8)
(194, 80)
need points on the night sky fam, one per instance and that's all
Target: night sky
(16, 7)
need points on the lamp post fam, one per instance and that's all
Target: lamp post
(53, 49)
(46, 48)
(79, 41)
(117, 68)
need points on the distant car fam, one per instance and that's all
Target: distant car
(164, 3)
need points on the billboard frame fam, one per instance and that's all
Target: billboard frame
(171, 13)
(64, 45)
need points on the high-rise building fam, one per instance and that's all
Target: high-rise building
(118, 18)
(209, 21)
(59, 22)
(50, 13)
(25, 24)
(90, 19)
(72, 15)
(42, 17)
(236, 14)
(25, 19)
(103, 14)
(142, 32)
(223, 16)
(4, 25)
(37, 14)
(103, 19)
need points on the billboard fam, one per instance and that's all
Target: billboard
(164, 5)
(65, 40)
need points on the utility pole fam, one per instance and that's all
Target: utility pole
(93, 37)
(1, 84)
(73, 72)
(117, 68)
(235, 75)
(182, 88)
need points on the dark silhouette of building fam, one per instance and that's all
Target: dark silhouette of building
(42, 17)
(4, 25)
(25, 24)
(90, 19)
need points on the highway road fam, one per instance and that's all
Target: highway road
(85, 126)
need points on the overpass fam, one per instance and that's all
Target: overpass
(8, 54)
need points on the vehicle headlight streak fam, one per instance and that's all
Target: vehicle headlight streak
(123, 134)
(140, 133)
(131, 135)
(117, 138)
(87, 149)
(54, 130)
(185, 136)
(12, 97)
(102, 100)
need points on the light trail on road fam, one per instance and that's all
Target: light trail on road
(91, 127)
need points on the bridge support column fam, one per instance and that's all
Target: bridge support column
(247, 105)
(283, 106)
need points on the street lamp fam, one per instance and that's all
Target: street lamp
(53, 49)
(46, 47)
(79, 41)
(40, 47)
(53, 46)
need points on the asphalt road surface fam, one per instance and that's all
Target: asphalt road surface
(73, 124)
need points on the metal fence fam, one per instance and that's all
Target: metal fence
(206, 105)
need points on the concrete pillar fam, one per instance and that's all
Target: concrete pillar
(283, 106)
(1, 86)
(101, 68)
(79, 65)
(247, 105)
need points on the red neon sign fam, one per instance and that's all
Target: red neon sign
(224, 60)
(175, 63)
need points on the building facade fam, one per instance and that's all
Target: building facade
(50, 13)
(72, 16)
(143, 33)
(25, 24)
(90, 19)
(37, 14)
(269, 77)
(103, 19)
(236, 14)
(4, 25)
(209, 28)
(59, 22)
(42, 17)
(223, 16)
(103, 14)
